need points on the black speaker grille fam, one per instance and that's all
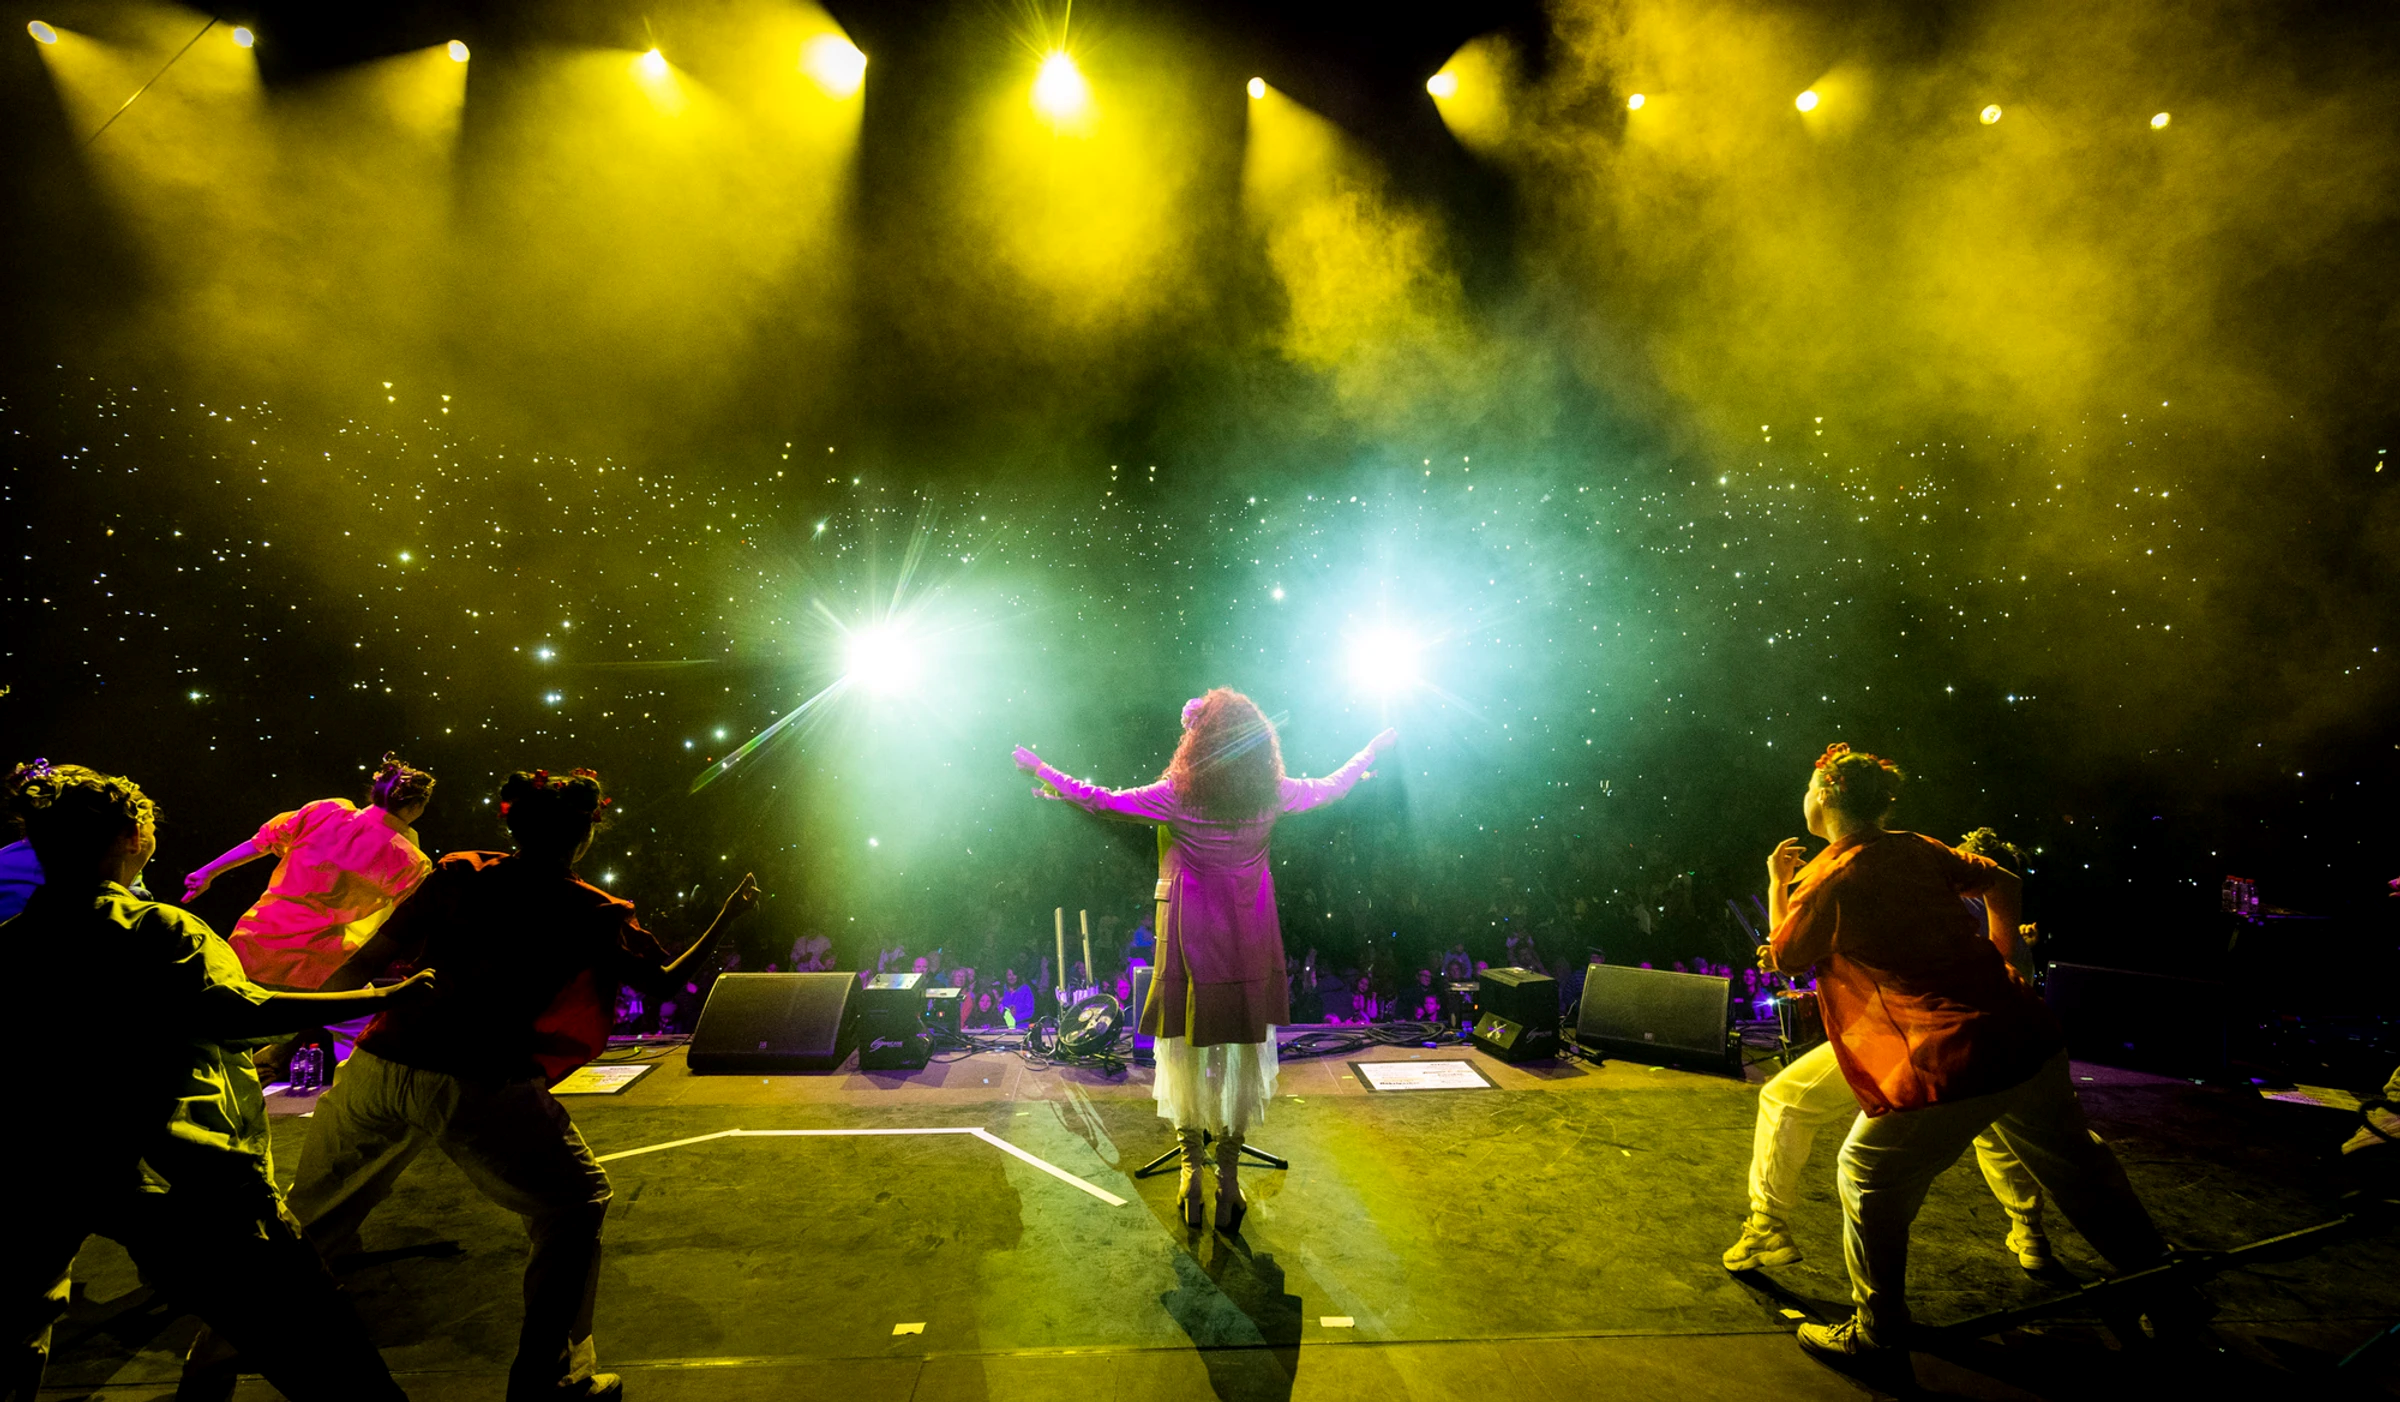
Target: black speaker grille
(1655, 1014)
(773, 1022)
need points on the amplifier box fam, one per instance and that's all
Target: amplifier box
(1516, 1014)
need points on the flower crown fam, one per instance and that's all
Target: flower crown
(542, 778)
(1832, 777)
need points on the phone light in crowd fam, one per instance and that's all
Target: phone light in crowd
(1991, 114)
(458, 51)
(1258, 89)
(1807, 101)
(1384, 660)
(1442, 84)
(835, 64)
(652, 64)
(882, 660)
(2159, 122)
(42, 32)
(242, 37)
(1059, 91)
(1634, 103)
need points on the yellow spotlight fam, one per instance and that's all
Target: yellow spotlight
(1444, 84)
(242, 37)
(458, 51)
(1807, 101)
(835, 64)
(1059, 90)
(1991, 114)
(42, 32)
(653, 64)
(2160, 121)
(1634, 103)
(1258, 89)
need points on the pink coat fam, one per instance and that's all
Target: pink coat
(342, 871)
(1220, 947)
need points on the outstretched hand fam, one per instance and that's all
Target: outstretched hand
(416, 988)
(744, 897)
(1381, 743)
(195, 884)
(1031, 763)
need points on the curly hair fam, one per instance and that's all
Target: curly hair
(1228, 764)
(1984, 842)
(1857, 784)
(397, 785)
(551, 814)
(73, 815)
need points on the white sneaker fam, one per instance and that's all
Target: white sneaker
(1764, 1243)
(1848, 1339)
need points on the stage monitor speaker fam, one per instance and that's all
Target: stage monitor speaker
(892, 1011)
(755, 1023)
(1516, 1014)
(1659, 1017)
(2148, 1022)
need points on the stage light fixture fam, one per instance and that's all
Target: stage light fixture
(2159, 122)
(1385, 660)
(42, 32)
(882, 660)
(242, 37)
(1258, 89)
(1059, 91)
(836, 65)
(1444, 84)
(1807, 101)
(1991, 114)
(652, 64)
(458, 51)
(1634, 103)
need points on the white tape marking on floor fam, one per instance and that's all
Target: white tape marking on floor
(976, 1131)
(670, 1144)
(1048, 1167)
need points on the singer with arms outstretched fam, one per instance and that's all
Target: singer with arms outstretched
(1219, 991)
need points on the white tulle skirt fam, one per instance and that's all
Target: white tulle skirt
(1222, 1089)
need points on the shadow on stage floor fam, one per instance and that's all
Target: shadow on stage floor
(1557, 1234)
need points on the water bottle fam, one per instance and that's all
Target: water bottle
(305, 1069)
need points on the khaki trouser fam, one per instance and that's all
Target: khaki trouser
(514, 1142)
(1809, 1094)
(1888, 1163)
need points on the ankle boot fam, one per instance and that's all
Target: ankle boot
(1230, 1205)
(1188, 1202)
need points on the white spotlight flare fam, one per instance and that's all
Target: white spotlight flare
(1385, 660)
(883, 660)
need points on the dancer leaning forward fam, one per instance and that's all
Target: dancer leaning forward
(1219, 991)
(1939, 1042)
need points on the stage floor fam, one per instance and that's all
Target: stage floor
(1557, 1234)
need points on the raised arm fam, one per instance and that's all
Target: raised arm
(1300, 795)
(1151, 803)
(737, 905)
(240, 854)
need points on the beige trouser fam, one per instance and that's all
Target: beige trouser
(514, 1142)
(1889, 1161)
(1809, 1094)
